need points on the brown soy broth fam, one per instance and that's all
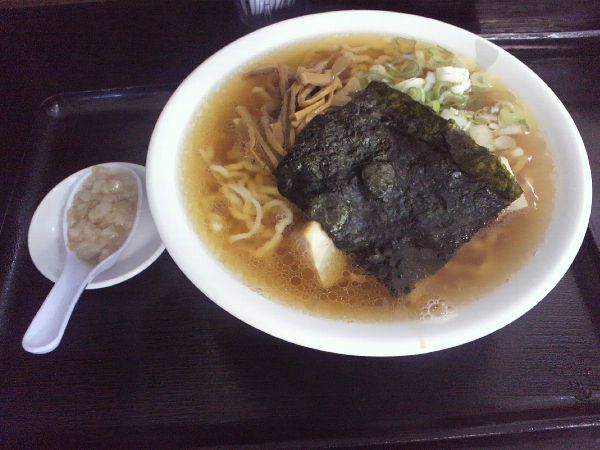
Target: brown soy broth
(286, 274)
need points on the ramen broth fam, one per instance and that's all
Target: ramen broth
(287, 273)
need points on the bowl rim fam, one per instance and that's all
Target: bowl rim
(308, 330)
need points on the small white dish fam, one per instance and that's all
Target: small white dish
(46, 243)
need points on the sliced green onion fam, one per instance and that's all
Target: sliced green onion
(393, 71)
(405, 45)
(364, 78)
(482, 135)
(410, 68)
(406, 68)
(440, 55)
(481, 80)
(417, 94)
(507, 117)
(435, 105)
(430, 80)
(379, 69)
(525, 125)
(405, 85)
(438, 89)
(458, 117)
(506, 104)
(373, 76)
(451, 74)
(448, 98)
(420, 57)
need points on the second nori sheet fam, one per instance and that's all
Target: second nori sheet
(394, 185)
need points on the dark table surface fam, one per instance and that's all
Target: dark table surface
(167, 368)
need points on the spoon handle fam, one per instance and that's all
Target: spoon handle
(48, 325)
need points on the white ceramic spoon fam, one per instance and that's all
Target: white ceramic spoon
(48, 325)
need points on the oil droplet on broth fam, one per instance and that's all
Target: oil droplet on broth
(435, 308)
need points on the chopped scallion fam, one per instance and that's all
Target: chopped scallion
(440, 55)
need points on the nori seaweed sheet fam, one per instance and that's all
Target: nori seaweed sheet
(394, 185)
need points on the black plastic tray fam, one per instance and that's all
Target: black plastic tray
(152, 362)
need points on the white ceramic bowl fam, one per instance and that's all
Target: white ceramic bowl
(483, 316)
